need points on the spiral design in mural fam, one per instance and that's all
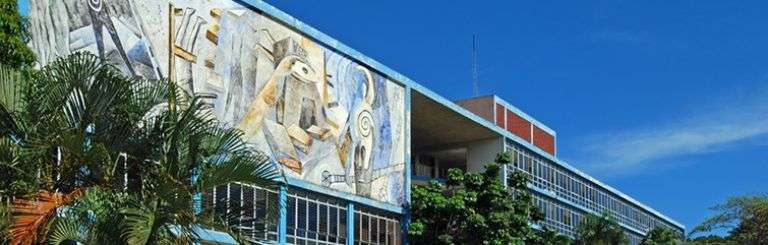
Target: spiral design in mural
(95, 5)
(365, 123)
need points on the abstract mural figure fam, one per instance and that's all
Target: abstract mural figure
(321, 117)
(290, 65)
(100, 19)
(291, 92)
(364, 132)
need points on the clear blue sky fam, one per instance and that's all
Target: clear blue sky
(665, 100)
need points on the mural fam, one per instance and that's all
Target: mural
(322, 117)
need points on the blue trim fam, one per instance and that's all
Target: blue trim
(322, 38)
(351, 223)
(212, 236)
(351, 197)
(406, 221)
(504, 173)
(282, 226)
(404, 227)
(201, 234)
(408, 163)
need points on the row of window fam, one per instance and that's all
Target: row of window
(312, 219)
(558, 217)
(565, 220)
(315, 220)
(564, 184)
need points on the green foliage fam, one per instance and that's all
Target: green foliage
(80, 124)
(662, 236)
(711, 240)
(17, 178)
(13, 36)
(551, 237)
(600, 230)
(472, 207)
(745, 218)
(5, 221)
(93, 218)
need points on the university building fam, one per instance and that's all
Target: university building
(350, 134)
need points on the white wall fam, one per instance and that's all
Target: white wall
(483, 151)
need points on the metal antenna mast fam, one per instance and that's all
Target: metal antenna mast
(475, 75)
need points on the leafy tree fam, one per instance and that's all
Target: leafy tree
(547, 236)
(711, 240)
(745, 218)
(662, 236)
(600, 230)
(71, 131)
(474, 207)
(13, 36)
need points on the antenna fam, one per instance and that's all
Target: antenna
(475, 75)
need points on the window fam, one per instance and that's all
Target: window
(372, 227)
(315, 219)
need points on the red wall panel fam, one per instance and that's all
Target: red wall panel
(518, 126)
(500, 116)
(544, 140)
(482, 106)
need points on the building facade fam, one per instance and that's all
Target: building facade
(349, 134)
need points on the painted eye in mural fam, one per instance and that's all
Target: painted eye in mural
(95, 5)
(304, 71)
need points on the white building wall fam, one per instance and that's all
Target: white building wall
(483, 151)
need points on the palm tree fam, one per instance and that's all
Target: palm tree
(600, 230)
(547, 236)
(77, 128)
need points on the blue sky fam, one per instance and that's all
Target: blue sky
(665, 100)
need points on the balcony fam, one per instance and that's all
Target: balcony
(445, 136)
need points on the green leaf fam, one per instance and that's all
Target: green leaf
(67, 230)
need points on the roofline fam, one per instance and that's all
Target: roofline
(496, 99)
(525, 115)
(330, 42)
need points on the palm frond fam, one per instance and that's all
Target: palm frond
(232, 159)
(12, 84)
(30, 216)
(67, 230)
(148, 94)
(138, 225)
(75, 108)
(5, 220)
(253, 169)
(85, 88)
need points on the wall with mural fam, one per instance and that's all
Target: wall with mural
(323, 118)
